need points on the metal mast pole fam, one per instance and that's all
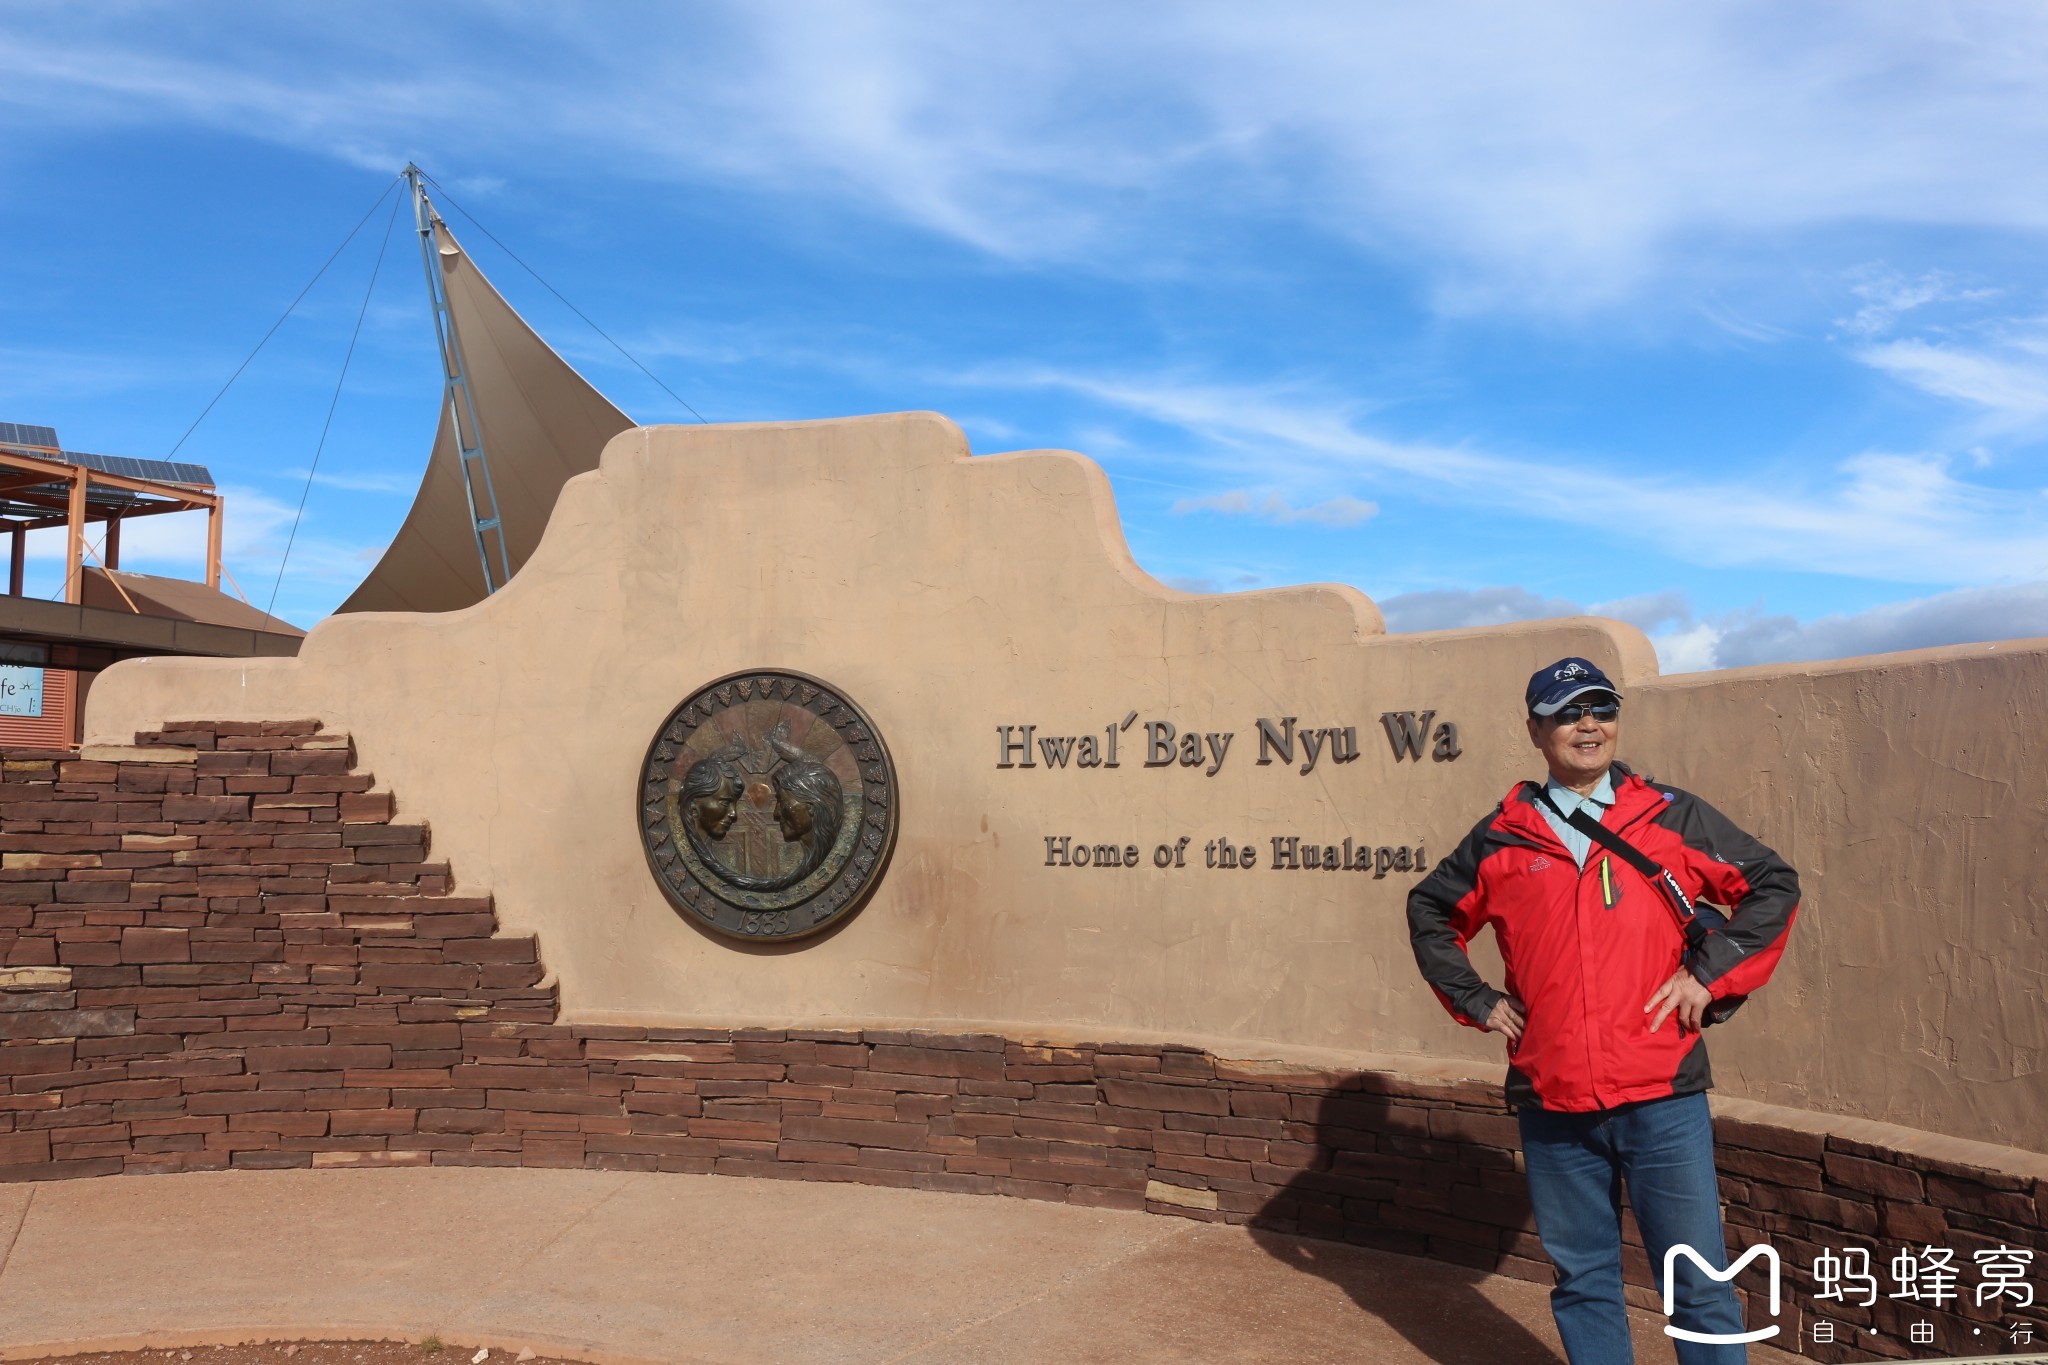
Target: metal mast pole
(469, 433)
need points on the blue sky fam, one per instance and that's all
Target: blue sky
(1728, 319)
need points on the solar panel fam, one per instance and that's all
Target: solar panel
(162, 471)
(22, 434)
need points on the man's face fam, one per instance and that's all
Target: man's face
(1579, 751)
(793, 816)
(715, 816)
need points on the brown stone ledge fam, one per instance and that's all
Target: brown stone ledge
(242, 958)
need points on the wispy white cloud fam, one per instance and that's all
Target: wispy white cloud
(1900, 517)
(1339, 511)
(1689, 643)
(1462, 608)
(1559, 156)
(253, 539)
(2006, 381)
(1885, 296)
(359, 483)
(1968, 615)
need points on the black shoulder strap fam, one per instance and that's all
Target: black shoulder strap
(1655, 872)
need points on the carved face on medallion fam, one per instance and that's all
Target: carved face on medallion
(768, 806)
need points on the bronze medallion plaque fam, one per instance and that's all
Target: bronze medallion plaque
(768, 806)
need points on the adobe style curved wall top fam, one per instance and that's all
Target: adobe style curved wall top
(953, 596)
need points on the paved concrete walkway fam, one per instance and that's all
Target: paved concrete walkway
(629, 1269)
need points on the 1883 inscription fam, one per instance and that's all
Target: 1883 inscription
(768, 806)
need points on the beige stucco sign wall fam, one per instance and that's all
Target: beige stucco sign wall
(960, 600)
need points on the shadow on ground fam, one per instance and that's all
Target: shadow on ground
(1440, 1310)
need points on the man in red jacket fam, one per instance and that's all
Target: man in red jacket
(1589, 881)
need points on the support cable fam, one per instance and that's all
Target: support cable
(281, 320)
(450, 201)
(332, 404)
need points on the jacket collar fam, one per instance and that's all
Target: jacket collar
(1522, 817)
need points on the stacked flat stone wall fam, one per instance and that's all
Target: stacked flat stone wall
(220, 949)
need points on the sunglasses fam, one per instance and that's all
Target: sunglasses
(1573, 712)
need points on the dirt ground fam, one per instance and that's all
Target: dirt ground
(429, 1352)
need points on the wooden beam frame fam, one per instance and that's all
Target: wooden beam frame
(58, 473)
(74, 542)
(45, 523)
(32, 472)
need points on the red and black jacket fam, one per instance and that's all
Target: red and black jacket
(1585, 949)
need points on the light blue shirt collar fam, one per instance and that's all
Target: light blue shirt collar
(1568, 801)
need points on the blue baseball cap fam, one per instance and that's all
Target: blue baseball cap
(1554, 685)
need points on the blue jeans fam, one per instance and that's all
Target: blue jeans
(1664, 1150)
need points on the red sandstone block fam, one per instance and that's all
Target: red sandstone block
(293, 762)
(745, 1110)
(365, 807)
(218, 764)
(757, 1131)
(461, 1121)
(859, 1133)
(205, 808)
(367, 1122)
(379, 837)
(410, 1037)
(1236, 1148)
(1062, 1132)
(1205, 1166)
(1366, 1113)
(1186, 1099)
(92, 893)
(271, 1160)
(1475, 1205)
(1152, 1119)
(522, 1077)
(1049, 1075)
(552, 1153)
(884, 1159)
(23, 1149)
(1032, 1189)
(293, 1123)
(193, 974)
(984, 1125)
(1973, 1197)
(1912, 1222)
(237, 952)
(332, 1057)
(492, 950)
(955, 1182)
(418, 977)
(550, 1102)
(831, 1153)
(937, 1061)
(62, 1170)
(1488, 1130)
(1758, 1164)
(44, 1025)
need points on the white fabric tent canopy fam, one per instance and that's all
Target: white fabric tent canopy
(542, 424)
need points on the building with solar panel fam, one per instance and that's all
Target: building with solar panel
(50, 650)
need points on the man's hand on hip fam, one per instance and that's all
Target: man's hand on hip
(1682, 995)
(1509, 1017)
